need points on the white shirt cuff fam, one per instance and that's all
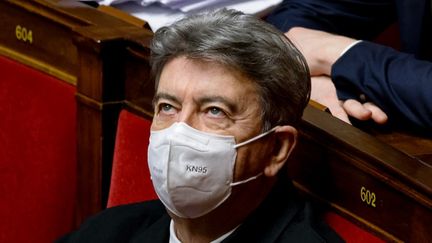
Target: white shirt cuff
(350, 46)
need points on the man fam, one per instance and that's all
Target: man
(230, 90)
(398, 82)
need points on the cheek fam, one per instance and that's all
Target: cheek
(217, 126)
(158, 124)
(251, 160)
(161, 121)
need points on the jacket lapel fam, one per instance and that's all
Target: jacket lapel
(156, 233)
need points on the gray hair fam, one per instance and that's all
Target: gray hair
(248, 45)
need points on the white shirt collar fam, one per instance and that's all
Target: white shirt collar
(173, 237)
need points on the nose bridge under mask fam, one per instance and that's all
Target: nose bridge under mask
(190, 142)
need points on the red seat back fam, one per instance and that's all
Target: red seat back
(37, 154)
(130, 181)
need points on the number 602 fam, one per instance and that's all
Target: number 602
(367, 197)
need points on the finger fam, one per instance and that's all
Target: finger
(337, 111)
(357, 110)
(378, 115)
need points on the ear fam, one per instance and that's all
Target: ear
(286, 139)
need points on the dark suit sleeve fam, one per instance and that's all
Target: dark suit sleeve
(359, 19)
(397, 82)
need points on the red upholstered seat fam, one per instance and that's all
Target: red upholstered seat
(131, 182)
(348, 231)
(37, 154)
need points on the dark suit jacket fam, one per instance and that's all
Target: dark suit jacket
(399, 82)
(280, 218)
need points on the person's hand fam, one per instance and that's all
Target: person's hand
(324, 92)
(321, 49)
(364, 111)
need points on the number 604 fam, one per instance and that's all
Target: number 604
(23, 34)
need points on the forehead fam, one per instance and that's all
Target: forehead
(182, 74)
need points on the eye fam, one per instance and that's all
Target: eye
(216, 112)
(166, 109)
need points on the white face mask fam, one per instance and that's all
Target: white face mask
(192, 171)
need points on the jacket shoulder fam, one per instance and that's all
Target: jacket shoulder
(117, 224)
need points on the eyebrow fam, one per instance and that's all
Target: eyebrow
(202, 100)
(211, 99)
(166, 96)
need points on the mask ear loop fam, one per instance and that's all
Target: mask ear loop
(247, 180)
(244, 143)
(255, 138)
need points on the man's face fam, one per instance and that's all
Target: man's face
(211, 98)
